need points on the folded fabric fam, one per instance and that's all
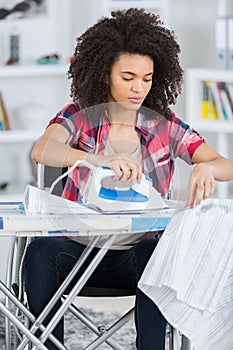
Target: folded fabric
(190, 274)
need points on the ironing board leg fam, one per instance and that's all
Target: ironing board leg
(11, 297)
(60, 291)
(110, 331)
(95, 327)
(8, 284)
(20, 326)
(77, 288)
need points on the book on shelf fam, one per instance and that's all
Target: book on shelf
(224, 97)
(208, 106)
(4, 119)
(229, 91)
(217, 100)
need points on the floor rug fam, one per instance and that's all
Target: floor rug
(77, 336)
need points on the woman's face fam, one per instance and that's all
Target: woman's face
(130, 80)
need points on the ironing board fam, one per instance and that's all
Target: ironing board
(14, 222)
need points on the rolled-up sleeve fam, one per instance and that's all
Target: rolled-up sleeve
(69, 117)
(184, 140)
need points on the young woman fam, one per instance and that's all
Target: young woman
(125, 73)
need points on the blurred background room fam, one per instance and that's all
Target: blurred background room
(37, 39)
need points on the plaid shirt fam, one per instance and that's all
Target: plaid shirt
(162, 141)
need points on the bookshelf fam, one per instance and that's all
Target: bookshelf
(43, 85)
(193, 91)
(32, 70)
(222, 129)
(22, 85)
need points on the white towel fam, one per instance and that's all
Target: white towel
(190, 274)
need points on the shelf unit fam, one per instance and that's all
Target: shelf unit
(18, 71)
(46, 85)
(40, 85)
(193, 91)
(222, 129)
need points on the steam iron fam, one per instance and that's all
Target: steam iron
(122, 197)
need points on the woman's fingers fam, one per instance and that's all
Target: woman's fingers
(125, 169)
(201, 184)
(195, 195)
(198, 192)
(209, 189)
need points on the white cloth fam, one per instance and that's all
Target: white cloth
(190, 274)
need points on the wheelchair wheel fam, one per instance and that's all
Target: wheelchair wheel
(15, 283)
(185, 343)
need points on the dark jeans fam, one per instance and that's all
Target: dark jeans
(49, 260)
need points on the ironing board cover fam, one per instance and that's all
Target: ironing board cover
(190, 274)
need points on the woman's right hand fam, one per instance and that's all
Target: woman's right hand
(124, 166)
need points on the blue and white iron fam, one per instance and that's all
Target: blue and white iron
(123, 197)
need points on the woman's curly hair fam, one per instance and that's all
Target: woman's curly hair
(132, 31)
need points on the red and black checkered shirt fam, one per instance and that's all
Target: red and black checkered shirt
(162, 141)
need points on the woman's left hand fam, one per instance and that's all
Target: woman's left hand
(201, 184)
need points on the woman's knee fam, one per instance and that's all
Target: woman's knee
(143, 251)
(40, 249)
(52, 254)
(147, 246)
